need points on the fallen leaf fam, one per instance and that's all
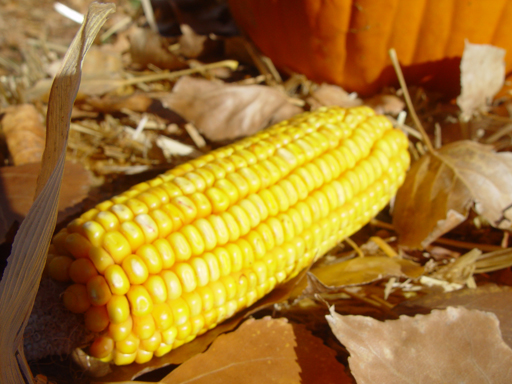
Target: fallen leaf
(328, 94)
(318, 364)
(363, 270)
(24, 133)
(488, 298)
(385, 104)
(440, 189)
(148, 47)
(455, 345)
(224, 112)
(19, 186)
(260, 351)
(482, 76)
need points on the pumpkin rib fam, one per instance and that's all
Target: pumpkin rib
(501, 36)
(405, 32)
(432, 41)
(368, 45)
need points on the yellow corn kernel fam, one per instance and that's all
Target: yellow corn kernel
(141, 303)
(143, 356)
(156, 287)
(77, 245)
(219, 293)
(242, 219)
(149, 254)
(186, 206)
(162, 221)
(118, 309)
(148, 226)
(136, 269)
(180, 310)
(186, 276)
(58, 268)
(193, 300)
(206, 294)
(75, 298)
(120, 331)
(128, 345)
(81, 270)
(202, 204)
(214, 268)
(163, 349)
(180, 246)
(163, 316)
(96, 318)
(169, 336)
(175, 214)
(144, 326)
(231, 224)
(223, 261)
(101, 347)
(116, 245)
(166, 253)
(235, 256)
(208, 233)
(247, 253)
(172, 283)
(117, 280)
(219, 200)
(93, 232)
(152, 343)
(200, 268)
(100, 258)
(194, 239)
(98, 290)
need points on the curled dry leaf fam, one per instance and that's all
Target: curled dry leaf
(482, 76)
(328, 94)
(259, 351)
(25, 133)
(363, 270)
(148, 47)
(224, 112)
(447, 346)
(489, 298)
(440, 189)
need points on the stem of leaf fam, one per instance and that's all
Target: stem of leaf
(403, 85)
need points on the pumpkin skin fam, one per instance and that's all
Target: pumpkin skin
(346, 42)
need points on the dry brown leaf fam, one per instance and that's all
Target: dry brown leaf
(363, 270)
(260, 351)
(318, 364)
(482, 76)
(224, 112)
(488, 298)
(455, 345)
(148, 47)
(328, 94)
(19, 185)
(386, 104)
(191, 44)
(440, 189)
(25, 133)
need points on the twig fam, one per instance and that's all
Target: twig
(403, 85)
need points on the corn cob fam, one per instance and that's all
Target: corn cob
(172, 257)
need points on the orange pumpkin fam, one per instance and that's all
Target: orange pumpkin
(346, 42)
